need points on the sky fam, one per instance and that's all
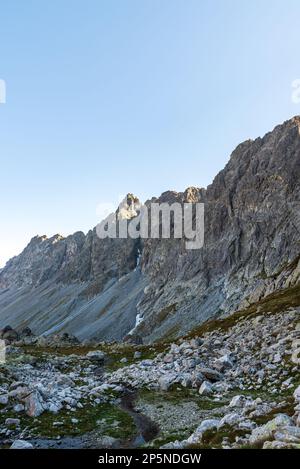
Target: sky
(106, 97)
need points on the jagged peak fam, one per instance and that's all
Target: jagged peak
(129, 207)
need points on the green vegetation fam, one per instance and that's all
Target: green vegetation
(214, 438)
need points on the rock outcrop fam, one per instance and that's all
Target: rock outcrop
(93, 288)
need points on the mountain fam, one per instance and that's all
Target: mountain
(103, 288)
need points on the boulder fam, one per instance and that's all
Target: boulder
(211, 375)
(280, 445)
(266, 432)
(26, 332)
(12, 422)
(9, 335)
(288, 434)
(238, 401)
(297, 394)
(166, 381)
(224, 362)
(205, 389)
(96, 356)
(34, 404)
(209, 424)
(232, 419)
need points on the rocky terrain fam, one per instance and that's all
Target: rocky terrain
(231, 383)
(139, 342)
(97, 288)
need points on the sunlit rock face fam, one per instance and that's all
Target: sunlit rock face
(94, 288)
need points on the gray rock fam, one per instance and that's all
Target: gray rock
(237, 401)
(34, 404)
(232, 419)
(166, 381)
(266, 432)
(225, 361)
(210, 374)
(92, 287)
(288, 434)
(205, 425)
(297, 394)
(19, 408)
(96, 356)
(4, 399)
(10, 422)
(279, 445)
(21, 444)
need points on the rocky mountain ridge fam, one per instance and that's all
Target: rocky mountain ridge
(232, 383)
(94, 288)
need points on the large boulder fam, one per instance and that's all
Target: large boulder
(95, 356)
(209, 424)
(210, 374)
(297, 394)
(205, 389)
(9, 335)
(166, 381)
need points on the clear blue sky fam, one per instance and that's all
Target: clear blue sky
(106, 97)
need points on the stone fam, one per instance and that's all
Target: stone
(34, 404)
(279, 445)
(208, 424)
(297, 394)
(96, 356)
(225, 361)
(4, 399)
(106, 441)
(237, 401)
(211, 375)
(186, 382)
(172, 288)
(21, 444)
(10, 422)
(137, 354)
(232, 419)
(165, 382)
(19, 408)
(288, 434)
(169, 358)
(266, 432)
(55, 408)
(205, 389)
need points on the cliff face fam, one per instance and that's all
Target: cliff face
(92, 288)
